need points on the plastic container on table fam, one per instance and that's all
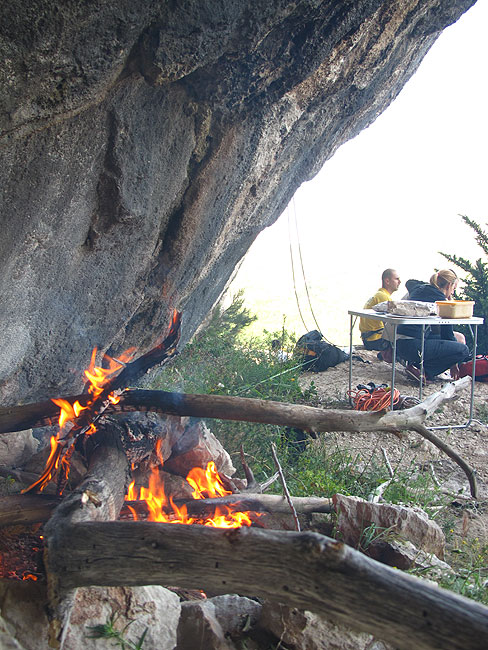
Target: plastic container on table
(455, 308)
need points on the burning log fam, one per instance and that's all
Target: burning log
(26, 509)
(269, 503)
(308, 418)
(98, 498)
(38, 508)
(304, 570)
(104, 388)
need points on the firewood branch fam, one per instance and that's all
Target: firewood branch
(328, 577)
(37, 508)
(98, 497)
(245, 409)
(308, 418)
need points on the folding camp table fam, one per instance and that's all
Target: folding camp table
(395, 321)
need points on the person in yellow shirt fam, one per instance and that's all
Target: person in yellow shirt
(372, 330)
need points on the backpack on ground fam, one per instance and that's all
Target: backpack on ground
(316, 353)
(481, 370)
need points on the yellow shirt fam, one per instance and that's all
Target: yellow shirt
(369, 324)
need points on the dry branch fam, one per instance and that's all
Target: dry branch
(308, 418)
(245, 409)
(37, 508)
(440, 444)
(303, 570)
(285, 487)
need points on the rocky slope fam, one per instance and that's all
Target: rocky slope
(143, 146)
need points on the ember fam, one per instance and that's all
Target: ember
(21, 556)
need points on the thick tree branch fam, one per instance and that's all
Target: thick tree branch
(304, 570)
(308, 418)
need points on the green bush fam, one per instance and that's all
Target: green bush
(475, 284)
(220, 360)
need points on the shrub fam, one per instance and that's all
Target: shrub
(220, 360)
(475, 284)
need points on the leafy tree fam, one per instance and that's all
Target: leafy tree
(475, 283)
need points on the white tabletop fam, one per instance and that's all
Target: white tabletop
(415, 320)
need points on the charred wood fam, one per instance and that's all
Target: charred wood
(99, 497)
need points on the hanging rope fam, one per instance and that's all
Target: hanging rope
(303, 269)
(293, 273)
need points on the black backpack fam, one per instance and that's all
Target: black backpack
(318, 355)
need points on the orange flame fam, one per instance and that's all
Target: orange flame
(52, 464)
(68, 412)
(99, 377)
(205, 483)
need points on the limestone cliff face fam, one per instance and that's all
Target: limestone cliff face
(145, 144)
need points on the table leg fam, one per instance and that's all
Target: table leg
(351, 327)
(471, 404)
(393, 364)
(422, 362)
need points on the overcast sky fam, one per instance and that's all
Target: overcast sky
(391, 196)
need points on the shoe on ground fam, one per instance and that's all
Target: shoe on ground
(413, 373)
(444, 376)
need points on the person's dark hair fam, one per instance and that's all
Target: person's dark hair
(411, 284)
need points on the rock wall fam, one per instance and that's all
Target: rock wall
(143, 146)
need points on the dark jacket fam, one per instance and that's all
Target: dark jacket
(427, 293)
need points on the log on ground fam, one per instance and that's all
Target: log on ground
(304, 570)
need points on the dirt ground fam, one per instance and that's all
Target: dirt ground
(469, 516)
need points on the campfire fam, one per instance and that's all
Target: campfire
(206, 484)
(80, 419)
(84, 522)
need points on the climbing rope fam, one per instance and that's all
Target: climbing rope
(373, 398)
(293, 274)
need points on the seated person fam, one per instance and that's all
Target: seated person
(442, 349)
(372, 330)
(412, 284)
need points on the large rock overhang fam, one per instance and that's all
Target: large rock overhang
(144, 146)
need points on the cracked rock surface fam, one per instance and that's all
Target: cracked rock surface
(143, 146)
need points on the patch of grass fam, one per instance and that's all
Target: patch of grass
(323, 471)
(469, 559)
(109, 630)
(373, 534)
(7, 485)
(224, 360)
